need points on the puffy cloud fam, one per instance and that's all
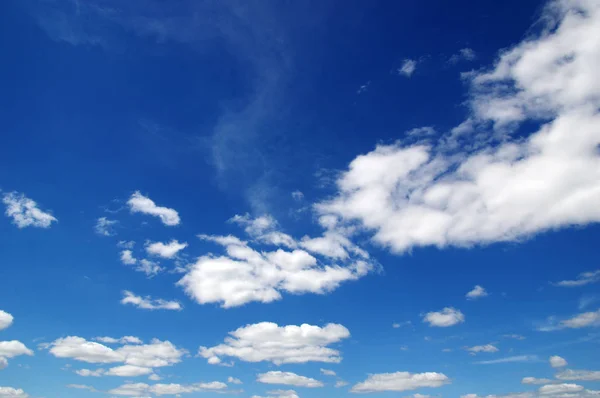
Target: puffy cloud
(482, 348)
(139, 203)
(328, 372)
(90, 373)
(9, 392)
(423, 195)
(517, 358)
(534, 380)
(552, 389)
(585, 278)
(129, 371)
(122, 340)
(579, 375)
(13, 348)
(557, 362)
(127, 257)
(233, 380)
(165, 250)
(267, 341)
(25, 212)
(105, 227)
(408, 67)
(82, 350)
(476, 293)
(288, 378)
(144, 390)
(444, 318)
(400, 381)
(148, 303)
(245, 274)
(279, 394)
(6, 319)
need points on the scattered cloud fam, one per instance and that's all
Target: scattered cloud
(150, 268)
(408, 67)
(464, 54)
(139, 203)
(328, 372)
(557, 362)
(517, 358)
(582, 279)
(288, 378)
(145, 390)
(279, 394)
(533, 380)
(476, 293)
(364, 88)
(270, 342)
(148, 303)
(165, 250)
(127, 257)
(398, 325)
(105, 227)
(6, 320)
(341, 383)
(489, 348)
(444, 318)
(233, 380)
(122, 340)
(400, 381)
(82, 387)
(583, 320)
(25, 212)
(579, 375)
(9, 392)
(554, 389)
(514, 336)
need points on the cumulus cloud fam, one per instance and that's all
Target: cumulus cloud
(148, 303)
(270, 342)
(579, 375)
(11, 349)
(444, 318)
(476, 293)
(288, 378)
(105, 227)
(482, 348)
(165, 250)
(582, 279)
(245, 274)
(25, 212)
(508, 189)
(408, 67)
(233, 380)
(127, 257)
(139, 203)
(9, 392)
(400, 381)
(145, 390)
(557, 362)
(552, 389)
(6, 319)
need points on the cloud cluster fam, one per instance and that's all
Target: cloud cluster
(6, 319)
(270, 342)
(25, 212)
(139, 203)
(400, 381)
(165, 250)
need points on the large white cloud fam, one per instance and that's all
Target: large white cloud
(6, 319)
(400, 381)
(148, 303)
(9, 392)
(245, 274)
(422, 195)
(447, 317)
(267, 341)
(25, 212)
(287, 378)
(139, 203)
(11, 349)
(165, 250)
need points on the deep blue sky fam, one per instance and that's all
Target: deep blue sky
(221, 108)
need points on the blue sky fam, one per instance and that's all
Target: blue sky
(299, 199)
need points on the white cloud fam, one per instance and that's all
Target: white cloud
(82, 387)
(11, 349)
(127, 257)
(557, 362)
(514, 336)
(129, 371)
(297, 196)
(288, 378)
(25, 212)
(476, 293)
(363, 88)
(148, 303)
(145, 390)
(483, 348)
(126, 244)
(105, 227)
(586, 319)
(552, 389)
(466, 54)
(150, 268)
(408, 67)
(6, 319)
(139, 203)
(400, 381)
(267, 341)
(9, 392)
(444, 318)
(584, 278)
(579, 375)
(328, 372)
(233, 380)
(341, 383)
(122, 340)
(517, 358)
(154, 377)
(279, 394)
(422, 195)
(245, 274)
(165, 250)
(398, 325)
(82, 350)
(534, 380)
(90, 373)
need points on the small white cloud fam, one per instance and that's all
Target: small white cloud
(328, 372)
(288, 378)
(25, 212)
(122, 340)
(154, 377)
(400, 381)
(584, 278)
(408, 67)
(398, 325)
(126, 244)
(464, 54)
(514, 336)
(165, 250)
(447, 317)
(583, 320)
(557, 362)
(556, 389)
(489, 348)
(364, 88)
(147, 303)
(579, 375)
(6, 319)
(127, 257)
(80, 387)
(233, 380)
(139, 203)
(105, 227)
(150, 268)
(518, 358)
(534, 380)
(476, 293)
(341, 383)
(9, 392)
(298, 196)
(11, 349)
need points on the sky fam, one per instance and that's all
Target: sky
(299, 199)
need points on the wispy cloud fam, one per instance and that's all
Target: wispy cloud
(518, 358)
